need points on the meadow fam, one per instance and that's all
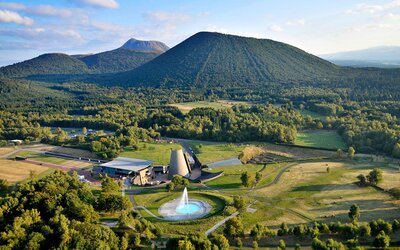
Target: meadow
(320, 139)
(185, 107)
(17, 171)
(208, 152)
(159, 153)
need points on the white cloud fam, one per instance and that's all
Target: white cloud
(111, 4)
(41, 10)
(48, 10)
(374, 8)
(7, 16)
(163, 16)
(12, 6)
(298, 22)
(276, 28)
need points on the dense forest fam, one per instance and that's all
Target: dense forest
(369, 124)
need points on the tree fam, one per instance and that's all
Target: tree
(375, 177)
(238, 242)
(283, 230)
(247, 179)
(362, 180)
(281, 245)
(170, 186)
(3, 184)
(396, 150)
(124, 244)
(339, 153)
(108, 184)
(297, 247)
(351, 152)
(234, 227)
(382, 241)
(221, 242)
(354, 213)
(239, 202)
(258, 177)
(395, 225)
(255, 244)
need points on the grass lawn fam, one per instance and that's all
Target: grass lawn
(321, 139)
(153, 198)
(231, 177)
(307, 189)
(312, 114)
(42, 158)
(210, 152)
(16, 171)
(158, 152)
(185, 107)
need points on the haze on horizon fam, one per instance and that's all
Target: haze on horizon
(88, 26)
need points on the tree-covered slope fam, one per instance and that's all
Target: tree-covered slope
(130, 56)
(53, 63)
(117, 60)
(214, 59)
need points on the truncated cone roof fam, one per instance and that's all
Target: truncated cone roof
(178, 164)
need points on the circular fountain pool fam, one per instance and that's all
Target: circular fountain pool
(189, 208)
(193, 209)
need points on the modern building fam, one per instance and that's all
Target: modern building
(179, 164)
(140, 171)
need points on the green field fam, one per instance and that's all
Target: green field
(159, 153)
(208, 152)
(320, 139)
(185, 107)
(42, 157)
(312, 114)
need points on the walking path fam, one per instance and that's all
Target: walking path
(220, 223)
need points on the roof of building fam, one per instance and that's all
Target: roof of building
(126, 163)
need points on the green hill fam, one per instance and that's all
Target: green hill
(131, 55)
(53, 63)
(117, 60)
(214, 59)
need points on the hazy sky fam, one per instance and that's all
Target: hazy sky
(29, 28)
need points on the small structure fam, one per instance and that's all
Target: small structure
(179, 164)
(140, 171)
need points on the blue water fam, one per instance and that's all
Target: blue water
(188, 209)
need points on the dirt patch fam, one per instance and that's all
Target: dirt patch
(15, 171)
(181, 107)
(295, 153)
(5, 151)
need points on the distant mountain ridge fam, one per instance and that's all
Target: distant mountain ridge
(129, 56)
(145, 46)
(383, 56)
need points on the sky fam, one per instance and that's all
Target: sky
(29, 28)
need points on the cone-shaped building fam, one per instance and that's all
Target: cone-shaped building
(178, 164)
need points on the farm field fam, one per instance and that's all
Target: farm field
(52, 159)
(6, 150)
(320, 139)
(185, 107)
(158, 152)
(16, 171)
(208, 152)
